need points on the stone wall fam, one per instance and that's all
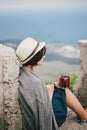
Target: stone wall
(10, 114)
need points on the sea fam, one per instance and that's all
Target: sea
(61, 26)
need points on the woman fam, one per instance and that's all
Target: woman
(63, 98)
(37, 113)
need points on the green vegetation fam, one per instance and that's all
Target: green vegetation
(73, 78)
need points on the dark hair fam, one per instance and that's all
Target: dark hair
(36, 58)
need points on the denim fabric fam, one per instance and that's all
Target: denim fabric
(59, 105)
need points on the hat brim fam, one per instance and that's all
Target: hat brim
(41, 45)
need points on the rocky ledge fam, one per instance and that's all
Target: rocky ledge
(72, 123)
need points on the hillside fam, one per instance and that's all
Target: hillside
(50, 70)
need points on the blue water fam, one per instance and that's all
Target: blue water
(65, 27)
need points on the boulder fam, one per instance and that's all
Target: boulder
(10, 114)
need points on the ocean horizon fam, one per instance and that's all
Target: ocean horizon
(64, 27)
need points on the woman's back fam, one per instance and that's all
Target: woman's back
(35, 103)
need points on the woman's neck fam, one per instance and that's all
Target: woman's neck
(29, 67)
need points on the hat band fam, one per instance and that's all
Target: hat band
(32, 52)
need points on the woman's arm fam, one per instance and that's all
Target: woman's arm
(75, 105)
(50, 89)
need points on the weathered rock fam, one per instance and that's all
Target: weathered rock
(10, 114)
(81, 83)
(72, 123)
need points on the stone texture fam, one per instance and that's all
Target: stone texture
(10, 114)
(1, 108)
(72, 123)
(81, 83)
(1, 97)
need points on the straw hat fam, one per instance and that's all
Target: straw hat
(28, 48)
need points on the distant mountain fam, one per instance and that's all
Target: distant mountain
(62, 52)
(11, 43)
(58, 57)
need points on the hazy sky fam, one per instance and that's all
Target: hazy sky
(41, 4)
(62, 20)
